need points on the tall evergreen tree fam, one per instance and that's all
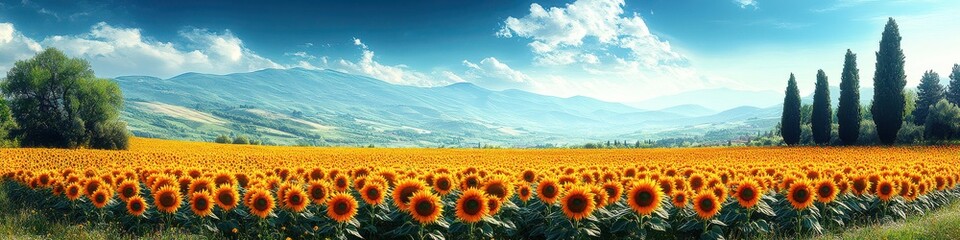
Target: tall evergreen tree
(888, 82)
(928, 93)
(953, 91)
(848, 110)
(822, 116)
(790, 120)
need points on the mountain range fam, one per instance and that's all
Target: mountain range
(327, 107)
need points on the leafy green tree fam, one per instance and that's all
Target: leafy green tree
(943, 122)
(888, 82)
(242, 139)
(822, 115)
(929, 92)
(223, 139)
(910, 104)
(6, 124)
(848, 110)
(790, 120)
(953, 90)
(57, 101)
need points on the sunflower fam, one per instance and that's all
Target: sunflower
(529, 176)
(200, 184)
(372, 193)
(493, 205)
(341, 183)
(548, 191)
(747, 193)
(341, 207)
(524, 192)
(260, 203)
(442, 184)
(128, 189)
(860, 185)
(696, 182)
(92, 185)
(295, 199)
(472, 206)
(226, 197)
(498, 187)
(800, 195)
(614, 191)
(318, 191)
(224, 178)
(425, 207)
(167, 199)
(577, 203)
(644, 197)
(886, 190)
(470, 181)
(599, 196)
(201, 203)
(405, 190)
(826, 191)
(680, 199)
(73, 192)
(100, 198)
(706, 205)
(136, 206)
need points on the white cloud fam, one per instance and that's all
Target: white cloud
(492, 73)
(116, 51)
(746, 3)
(14, 46)
(396, 74)
(595, 48)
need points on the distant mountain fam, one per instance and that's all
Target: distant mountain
(325, 107)
(717, 98)
(690, 110)
(866, 97)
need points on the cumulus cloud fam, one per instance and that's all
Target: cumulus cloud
(492, 73)
(595, 48)
(746, 3)
(14, 46)
(117, 51)
(396, 74)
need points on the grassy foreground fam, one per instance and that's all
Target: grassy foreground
(940, 224)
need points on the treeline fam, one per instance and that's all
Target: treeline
(52, 100)
(894, 115)
(239, 139)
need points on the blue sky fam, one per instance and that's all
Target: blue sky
(624, 51)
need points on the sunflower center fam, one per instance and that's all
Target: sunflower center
(801, 195)
(136, 206)
(202, 204)
(706, 205)
(524, 192)
(747, 194)
(644, 198)
(577, 204)
(471, 206)
(496, 190)
(610, 192)
(373, 193)
(549, 191)
(317, 193)
(443, 184)
(100, 198)
(260, 204)
(859, 185)
(528, 176)
(226, 198)
(886, 189)
(472, 182)
(166, 200)
(825, 191)
(128, 192)
(425, 208)
(296, 199)
(341, 208)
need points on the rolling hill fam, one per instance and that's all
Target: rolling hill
(326, 107)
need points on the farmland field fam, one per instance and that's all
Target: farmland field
(276, 192)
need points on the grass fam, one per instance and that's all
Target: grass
(18, 223)
(943, 223)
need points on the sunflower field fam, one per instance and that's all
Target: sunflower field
(244, 192)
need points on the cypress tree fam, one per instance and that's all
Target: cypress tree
(888, 82)
(822, 116)
(953, 91)
(928, 93)
(790, 120)
(848, 110)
